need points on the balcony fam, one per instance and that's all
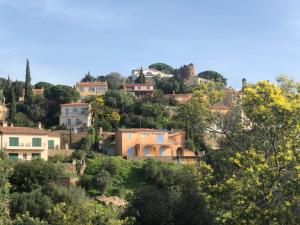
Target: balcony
(26, 146)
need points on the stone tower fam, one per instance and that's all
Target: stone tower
(187, 71)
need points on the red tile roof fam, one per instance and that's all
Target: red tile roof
(26, 130)
(91, 84)
(75, 104)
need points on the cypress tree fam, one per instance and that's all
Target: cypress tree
(7, 90)
(28, 97)
(141, 78)
(13, 106)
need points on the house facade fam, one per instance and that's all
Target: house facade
(139, 90)
(75, 115)
(4, 112)
(150, 73)
(91, 88)
(27, 143)
(150, 142)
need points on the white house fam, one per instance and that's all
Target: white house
(75, 115)
(150, 73)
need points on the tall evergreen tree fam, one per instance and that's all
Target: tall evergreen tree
(28, 98)
(7, 91)
(13, 106)
(141, 79)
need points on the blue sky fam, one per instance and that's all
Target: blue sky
(63, 39)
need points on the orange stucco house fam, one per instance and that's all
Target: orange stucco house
(150, 142)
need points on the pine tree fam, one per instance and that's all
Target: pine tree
(141, 79)
(13, 106)
(28, 97)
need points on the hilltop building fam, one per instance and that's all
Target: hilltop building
(75, 115)
(27, 143)
(91, 88)
(139, 90)
(150, 73)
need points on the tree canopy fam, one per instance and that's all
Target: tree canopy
(213, 75)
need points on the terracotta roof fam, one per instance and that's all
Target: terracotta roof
(26, 130)
(136, 130)
(75, 104)
(140, 130)
(91, 84)
(53, 134)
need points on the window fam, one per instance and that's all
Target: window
(130, 151)
(67, 112)
(162, 151)
(92, 89)
(69, 122)
(13, 141)
(25, 156)
(146, 151)
(36, 155)
(36, 142)
(81, 89)
(78, 121)
(159, 138)
(13, 156)
(75, 110)
(83, 111)
(129, 136)
(50, 144)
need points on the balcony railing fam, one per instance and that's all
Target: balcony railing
(24, 145)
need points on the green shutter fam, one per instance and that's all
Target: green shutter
(13, 156)
(50, 144)
(36, 142)
(36, 155)
(13, 141)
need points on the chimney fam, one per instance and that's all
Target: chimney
(39, 125)
(4, 124)
(11, 125)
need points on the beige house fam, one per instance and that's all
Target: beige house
(91, 88)
(4, 112)
(27, 143)
(75, 115)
